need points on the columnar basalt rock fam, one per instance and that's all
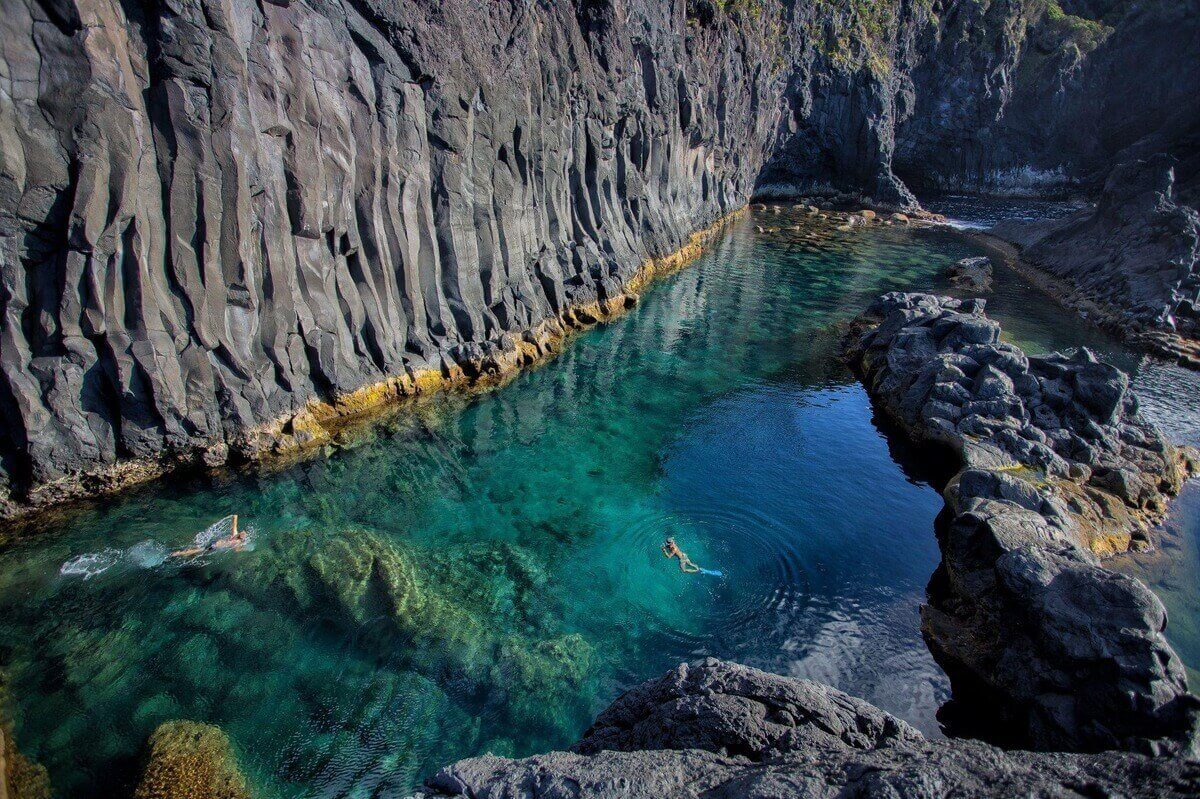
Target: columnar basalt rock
(225, 226)
(216, 214)
(720, 729)
(1057, 466)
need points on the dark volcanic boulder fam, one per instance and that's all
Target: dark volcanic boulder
(1045, 647)
(720, 729)
(971, 274)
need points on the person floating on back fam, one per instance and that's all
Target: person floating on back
(236, 540)
(672, 550)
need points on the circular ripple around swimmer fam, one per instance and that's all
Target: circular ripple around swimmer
(764, 581)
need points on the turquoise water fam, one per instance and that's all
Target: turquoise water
(484, 574)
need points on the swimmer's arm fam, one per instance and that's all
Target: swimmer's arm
(183, 553)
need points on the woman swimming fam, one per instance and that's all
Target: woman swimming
(235, 540)
(672, 550)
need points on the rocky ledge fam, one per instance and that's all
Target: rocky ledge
(1131, 263)
(720, 729)
(1057, 466)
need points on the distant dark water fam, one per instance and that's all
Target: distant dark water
(972, 212)
(483, 574)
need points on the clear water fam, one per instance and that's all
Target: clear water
(484, 574)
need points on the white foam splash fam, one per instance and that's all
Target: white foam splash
(90, 564)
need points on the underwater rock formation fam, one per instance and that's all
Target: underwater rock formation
(720, 729)
(1052, 649)
(20, 777)
(481, 612)
(188, 760)
(223, 225)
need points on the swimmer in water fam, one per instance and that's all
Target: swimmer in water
(235, 541)
(672, 550)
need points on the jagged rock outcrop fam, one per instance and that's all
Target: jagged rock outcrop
(971, 274)
(1052, 649)
(20, 777)
(720, 729)
(224, 226)
(1133, 261)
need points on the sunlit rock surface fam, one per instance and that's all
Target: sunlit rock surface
(1045, 647)
(188, 760)
(720, 729)
(213, 214)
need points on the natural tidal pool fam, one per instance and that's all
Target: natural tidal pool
(483, 573)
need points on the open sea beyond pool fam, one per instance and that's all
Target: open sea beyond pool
(483, 573)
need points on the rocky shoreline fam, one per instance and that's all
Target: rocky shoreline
(1130, 264)
(206, 238)
(470, 367)
(1057, 467)
(720, 729)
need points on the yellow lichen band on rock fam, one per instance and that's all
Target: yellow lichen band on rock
(189, 760)
(318, 421)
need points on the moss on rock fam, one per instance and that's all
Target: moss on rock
(189, 760)
(20, 777)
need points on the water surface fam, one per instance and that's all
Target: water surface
(483, 574)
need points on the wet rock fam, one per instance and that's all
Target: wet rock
(720, 729)
(1058, 466)
(971, 274)
(188, 760)
(1132, 262)
(20, 777)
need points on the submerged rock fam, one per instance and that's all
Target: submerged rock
(1045, 648)
(971, 274)
(478, 615)
(189, 760)
(720, 729)
(20, 777)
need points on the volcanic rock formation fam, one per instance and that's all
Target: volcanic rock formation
(720, 729)
(1133, 261)
(1052, 649)
(223, 224)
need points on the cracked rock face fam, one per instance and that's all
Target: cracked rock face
(1135, 256)
(719, 729)
(216, 213)
(212, 212)
(1045, 648)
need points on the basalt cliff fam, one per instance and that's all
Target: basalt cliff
(225, 224)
